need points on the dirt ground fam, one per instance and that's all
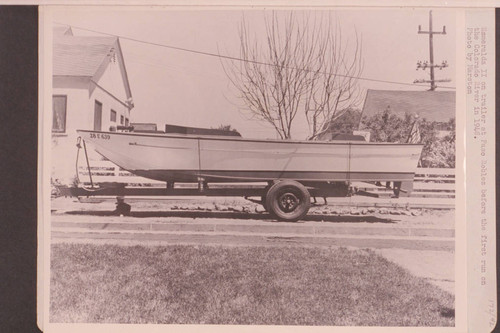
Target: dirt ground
(427, 218)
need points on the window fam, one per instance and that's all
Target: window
(126, 121)
(113, 116)
(121, 120)
(59, 113)
(97, 116)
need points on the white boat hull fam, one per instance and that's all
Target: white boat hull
(189, 158)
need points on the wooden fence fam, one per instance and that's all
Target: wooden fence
(429, 182)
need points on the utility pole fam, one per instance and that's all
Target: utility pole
(424, 65)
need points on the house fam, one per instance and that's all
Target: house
(90, 90)
(438, 106)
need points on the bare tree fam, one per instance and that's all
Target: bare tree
(303, 66)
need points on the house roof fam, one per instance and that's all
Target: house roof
(62, 30)
(432, 105)
(80, 55)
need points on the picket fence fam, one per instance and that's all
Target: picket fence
(429, 182)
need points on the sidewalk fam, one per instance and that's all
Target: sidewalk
(436, 267)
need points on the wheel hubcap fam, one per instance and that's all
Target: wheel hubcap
(288, 202)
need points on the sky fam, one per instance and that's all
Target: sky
(185, 88)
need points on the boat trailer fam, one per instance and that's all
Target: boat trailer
(287, 200)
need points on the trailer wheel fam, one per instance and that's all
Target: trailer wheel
(288, 200)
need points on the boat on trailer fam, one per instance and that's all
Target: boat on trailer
(292, 169)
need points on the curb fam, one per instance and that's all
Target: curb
(162, 238)
(278, 228)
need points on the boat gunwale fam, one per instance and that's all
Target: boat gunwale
(233, 138)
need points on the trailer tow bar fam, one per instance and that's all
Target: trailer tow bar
(78, 144)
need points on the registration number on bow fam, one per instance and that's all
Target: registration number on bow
(100, 136)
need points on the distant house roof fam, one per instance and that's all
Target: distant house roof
(80, 55)
(432, 105)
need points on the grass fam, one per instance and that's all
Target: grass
(239, 285)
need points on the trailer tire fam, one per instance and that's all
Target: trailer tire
(288, 200)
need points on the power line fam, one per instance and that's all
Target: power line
(240, 59)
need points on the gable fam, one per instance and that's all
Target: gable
(432, 105)
(112, 75)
